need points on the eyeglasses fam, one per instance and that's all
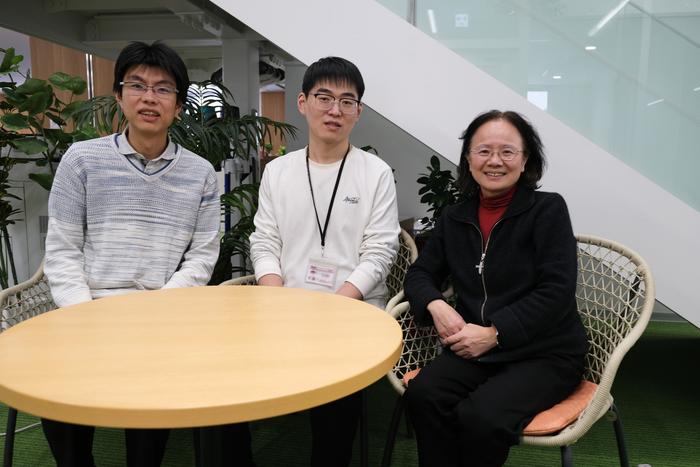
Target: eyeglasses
(137, 89)
(506, 153)
(346, 105)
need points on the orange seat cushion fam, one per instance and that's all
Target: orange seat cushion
(564, 413)
(409, 376)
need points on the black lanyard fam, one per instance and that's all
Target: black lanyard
(323, 231)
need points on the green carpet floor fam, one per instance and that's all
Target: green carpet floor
(656, 391)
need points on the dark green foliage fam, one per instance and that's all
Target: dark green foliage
(34, 121)
(242, 204)
(40, 126)
(210, 125)
(438, 190)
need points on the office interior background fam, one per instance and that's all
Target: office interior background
(613, 87)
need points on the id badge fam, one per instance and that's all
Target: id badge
(321, 272)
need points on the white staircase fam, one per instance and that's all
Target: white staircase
(432, 94)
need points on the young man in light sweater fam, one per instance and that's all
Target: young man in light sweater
(327, 220)
(130, 211)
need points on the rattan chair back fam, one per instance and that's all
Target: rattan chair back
(22, 301)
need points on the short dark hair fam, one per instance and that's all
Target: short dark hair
(532, 149)
(335, 70)
(156, 55)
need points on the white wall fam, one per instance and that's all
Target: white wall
(431, 93)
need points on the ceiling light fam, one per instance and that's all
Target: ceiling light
(556, 76)
(431, 20)
(657, 101)
(696, 89)
(605, 19)
(591, 47)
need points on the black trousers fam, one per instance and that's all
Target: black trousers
(333, 428)
(71, 445)
(469, 414)
(231, 445)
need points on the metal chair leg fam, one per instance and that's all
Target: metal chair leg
(10, 436)
(620, 437)
(364, 438)
(391, 435)
(567, 456)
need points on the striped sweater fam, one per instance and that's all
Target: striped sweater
(113, 228)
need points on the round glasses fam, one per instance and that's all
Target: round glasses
(137, 89)
(506, 153)
(346, 105)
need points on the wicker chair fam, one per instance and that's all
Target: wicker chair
(406, 256)
(615, 296)
(18, 303)
(243, 280)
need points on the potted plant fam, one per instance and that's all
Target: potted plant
(210, 125)
(36, 127)
(438, 190)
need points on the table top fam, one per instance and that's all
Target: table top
(194, 357)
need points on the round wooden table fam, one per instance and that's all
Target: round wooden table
(194, 357)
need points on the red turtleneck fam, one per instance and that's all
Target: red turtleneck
(491, 210)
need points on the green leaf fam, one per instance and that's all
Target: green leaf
(74, 107)
(36, 103)
(67, 82)
(44, 179)
(56, 119)
(31, 86)
(85, 133)
(10, 61)
(13, 98)
(14, 122)
(30, 145)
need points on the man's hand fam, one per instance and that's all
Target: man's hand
(472, 341)
(272, 280)
(349, 290)
(447, 320)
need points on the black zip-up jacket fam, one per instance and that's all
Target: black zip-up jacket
(528, 281)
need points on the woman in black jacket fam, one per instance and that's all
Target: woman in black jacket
(514, 345)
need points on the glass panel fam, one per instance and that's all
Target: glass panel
(626, 78)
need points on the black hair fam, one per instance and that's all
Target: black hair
(335, 70)
(156, 55)
(532, 149)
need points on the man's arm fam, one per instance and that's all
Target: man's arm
(271, 280)
(380, 242)
(200, 258)
(349, 290)
(64, 264)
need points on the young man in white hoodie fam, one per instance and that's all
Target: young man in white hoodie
(327, 220)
